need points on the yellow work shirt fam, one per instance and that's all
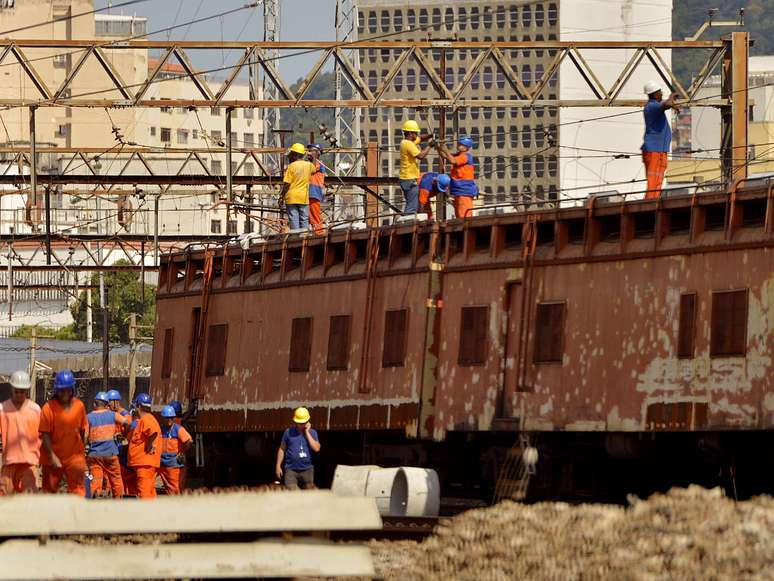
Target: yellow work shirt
(298, 175)
(409, 164)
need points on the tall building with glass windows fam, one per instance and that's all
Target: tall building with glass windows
(513, 153)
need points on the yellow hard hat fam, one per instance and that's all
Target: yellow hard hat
(411, 126)
(301, 416)
(298, 148)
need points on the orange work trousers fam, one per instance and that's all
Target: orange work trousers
(463, 206)
(171, 479)
(655, 170)
(146, 481)
(74, 473)
(315, 216)
(129, 479)
(17, 478)
(108, 468)
(425, 205)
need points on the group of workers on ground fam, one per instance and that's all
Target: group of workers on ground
(303, 189)
(126, 450)
(304, 181)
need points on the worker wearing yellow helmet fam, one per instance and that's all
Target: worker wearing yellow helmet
(294, 456)
(295, 189)
(410, 154)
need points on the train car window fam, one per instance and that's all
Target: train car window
(687, 330)
(549, 333)
(715, 217)
(166, 359)
(217, 338)
(729, 323)
(546, 233)
(753, 213)
(609, 228)
(513, 234)
(456, 242)
(474, 336)
(576, 230)
(481, 239)
(644, 224)
(300, 344)
(395, 331)
(338, 342)
(680, 221)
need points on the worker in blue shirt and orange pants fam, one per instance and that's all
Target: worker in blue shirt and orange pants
(175, 440)
(658, 137)
(294, 456)
(431, 184)
(316, 187)
(463, 185)
(102, 455)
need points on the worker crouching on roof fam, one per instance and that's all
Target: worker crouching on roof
(102, 457)
(175, 440)
(63, 428)
(430, 185)
(658, 137)
(19, 424)
(144, 453)
(294, 456)
(410, 154)
(295, 189)
(463, 185)
(316, 187)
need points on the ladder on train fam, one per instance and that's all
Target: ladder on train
(513, 479)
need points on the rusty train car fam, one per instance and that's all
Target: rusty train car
(631, 341)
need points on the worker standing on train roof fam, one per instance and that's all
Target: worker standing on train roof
(316, 187)
(175, 440)
(430, 185)
(658, 137)
(463, 185)
(102, 455)
(410, 154)
(19, 424)
(144, 454)
(295, 189)
(63, 428)
(294, 456)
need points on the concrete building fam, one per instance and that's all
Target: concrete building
(513, 154)
(165, 128)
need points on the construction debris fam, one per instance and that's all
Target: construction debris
(685, 534)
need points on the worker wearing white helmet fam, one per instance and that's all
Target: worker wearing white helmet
(658, 137)
(410, 154)
(294, 456)
(19, 424)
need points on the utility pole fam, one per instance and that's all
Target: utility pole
(132, 353)
(441, 198)
(271, 116)
(33, 356)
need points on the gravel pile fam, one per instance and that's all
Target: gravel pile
(689, 533)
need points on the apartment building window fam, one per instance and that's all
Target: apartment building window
(540, 15)
(398, 20)
(539, 72)
(487, 166)
(372, 80)
(540, 166)
(182, 136)
(526, 167)
(300, 344)
(514, 165)
(686, 332)
(397, 82)
(526, 75)
(462, 19)
(488, 19)
(153, 131)
(552, 14)
(217, 337)
(487, 112)
(411, 18)
(487, 137)
(231, 227)
(549, 333)
(360, 20)
(474, 335)
(729, 323)
(449, 19)
(166, 135)
(515, 136)
(215, 111)
(216, 135)
(166, 359)
(552, 166)
(500, 137)
(395, 331)
(423, 80)
(372, 22)
(60, 61)
(500, 165)
(385, 21)
(216, 167)
(338, 342)
(249, 140)
(474, 18)
(500, 78)
(215, 226)
(449, 77)
(474, 113)
(195, 134)
(234, 137)
(436, 17)
(475, 81)
(248, 113)
(423, 20)
(166, 109)
(513, 13)
(411, 80)
(526, 16)
(63, 130)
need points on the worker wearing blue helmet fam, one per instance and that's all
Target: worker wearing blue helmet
(430, 185)
(102, 456)
(463, 184)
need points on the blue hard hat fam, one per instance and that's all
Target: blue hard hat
(143, 399)
(177, 406)
(316, 146)
(101, 396)
(64, 379)
(114, 395)
(442, 182)
(168, 412)
(466, 141)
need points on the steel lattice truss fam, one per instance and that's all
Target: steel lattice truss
(438, 93)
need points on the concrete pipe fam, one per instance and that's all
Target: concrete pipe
(381, 487)
(351, 480)
(416, 492)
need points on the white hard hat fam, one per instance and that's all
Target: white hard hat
(651, 87)
(20, 380)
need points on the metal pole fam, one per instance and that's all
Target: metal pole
(89, 316)
(48, 224)
(33, 355)
(156, 230)
(132, 352)
(10, 281)
(734, 128)
(441, 198)
(105, 333)
(229, 145)
(33, 168)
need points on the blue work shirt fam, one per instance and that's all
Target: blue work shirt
(658, 134)
(298, 455)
